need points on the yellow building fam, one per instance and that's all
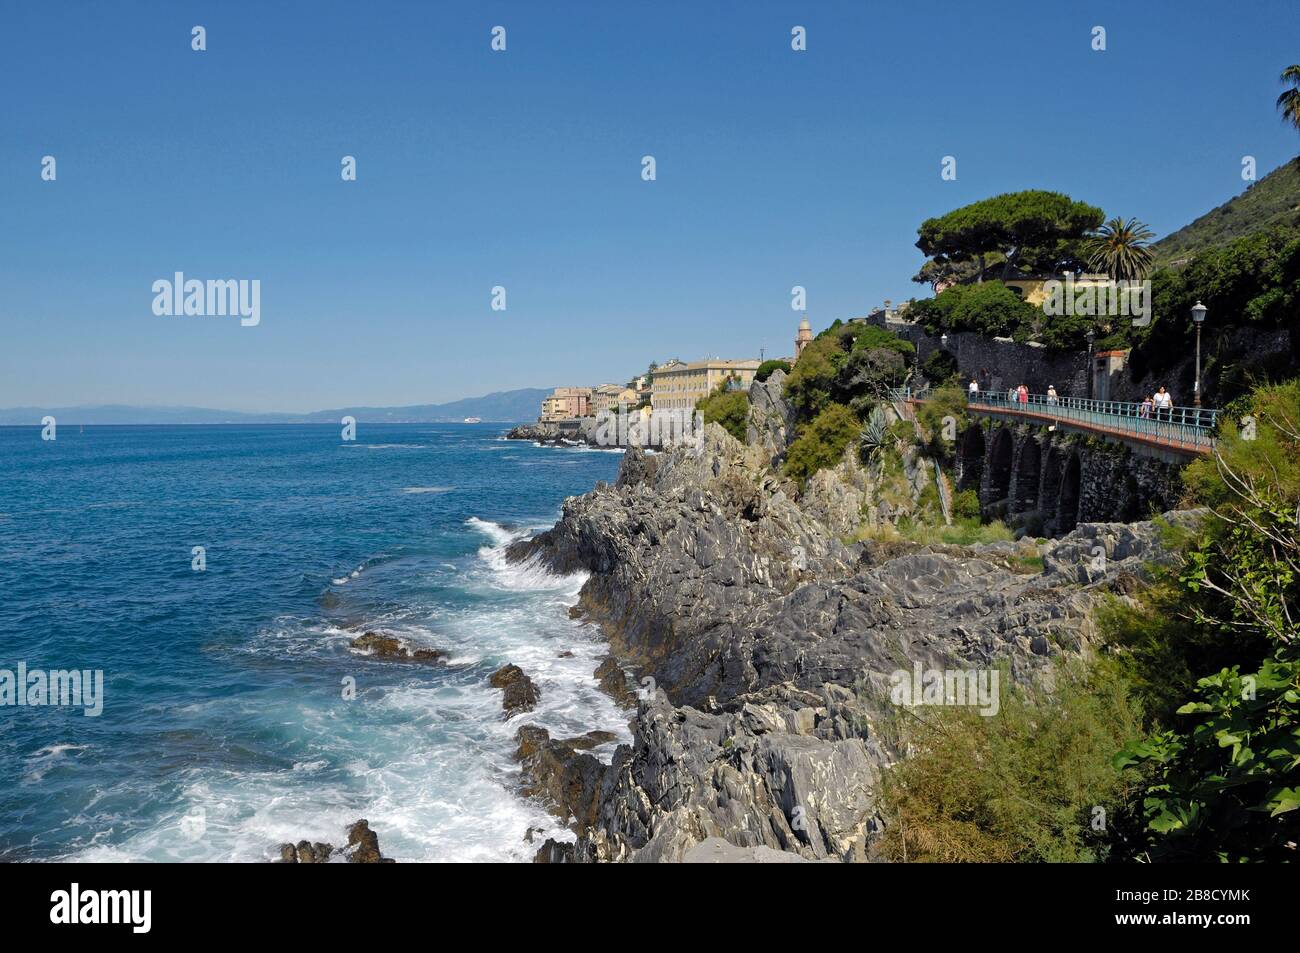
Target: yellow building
(679, 386)
(610, 397)
(1033, 288)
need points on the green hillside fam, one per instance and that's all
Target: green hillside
(1273, 200)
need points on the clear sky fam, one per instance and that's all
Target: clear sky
(523, 169)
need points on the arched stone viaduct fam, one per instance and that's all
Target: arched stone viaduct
(1051, 480)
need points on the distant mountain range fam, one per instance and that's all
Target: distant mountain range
(509, 406)
(1273, 200)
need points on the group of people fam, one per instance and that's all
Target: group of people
(1160, 404)
(1157, 404)
(1019, 394)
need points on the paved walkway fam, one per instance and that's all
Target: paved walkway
(1184, 430)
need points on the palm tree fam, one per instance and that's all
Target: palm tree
(1120, 249)
(1289, 101)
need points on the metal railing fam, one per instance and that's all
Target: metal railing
(1184, 427)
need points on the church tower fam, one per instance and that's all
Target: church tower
(803, 338)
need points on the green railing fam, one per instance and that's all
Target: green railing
(1184, 427)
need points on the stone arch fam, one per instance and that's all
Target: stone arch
(1067, 509)
(998, 470)
(1049, 492)
(1028, 470)
(970, 458)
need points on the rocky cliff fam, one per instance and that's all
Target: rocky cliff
(764, 644)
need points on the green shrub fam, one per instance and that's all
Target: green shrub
(822, 442)
(966, 505)
(944, 403)
(767, 367)
(1021, 785)
(850, 364)
(940, 367)
(1220, 632)
(730, 408)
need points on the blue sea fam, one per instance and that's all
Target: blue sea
(226, 729)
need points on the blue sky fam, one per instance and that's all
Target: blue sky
(522, 169)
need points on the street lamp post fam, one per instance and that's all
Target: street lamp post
(1198, 318)
(1091, 371)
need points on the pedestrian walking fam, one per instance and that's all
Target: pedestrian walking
(1164, 403)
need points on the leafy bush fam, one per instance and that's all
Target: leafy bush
(730, 408)
(866, 337)
(767, 367)
(966, 505)
(1223, 630)
(848, 364)
(1253, 280)
(1021, 785)
(940, 367)
(822, 442)
(808, 388)
(945, 403)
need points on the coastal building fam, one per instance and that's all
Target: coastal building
(610, 397)
(642, 387)
(680, 386)
(565, 403)
(803, 337)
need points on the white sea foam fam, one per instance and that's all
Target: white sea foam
(422, 752)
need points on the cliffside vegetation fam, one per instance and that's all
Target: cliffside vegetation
(839, 379)
(767, 367)
(1220, 638)
(1022, 785)
(730, 408)
(1249, 282)
(822, 442)
(1272, 201)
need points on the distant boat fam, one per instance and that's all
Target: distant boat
(473, 420)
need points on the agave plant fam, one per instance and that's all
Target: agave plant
(1289, 101)
(875, 433)
(1120, 249)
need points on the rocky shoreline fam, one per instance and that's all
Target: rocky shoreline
(757, 644)
(583, 435)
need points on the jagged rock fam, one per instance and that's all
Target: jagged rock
(362, 848)
(538, 433)
(772, 644)
(1094, 552)
(554, 852)
(520, 694)
(715, 850)
(305, 853)
(615, 682)
(770, 425)
(388, 647)
(564, 778)
(363, 845)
